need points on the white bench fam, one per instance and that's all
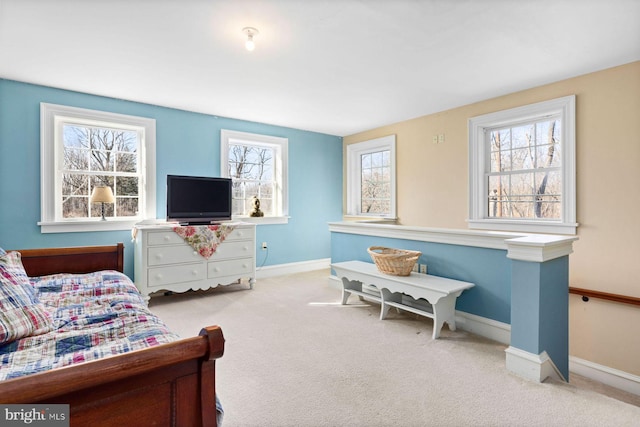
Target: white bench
(440, 292)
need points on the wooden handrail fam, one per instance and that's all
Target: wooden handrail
(605, 295)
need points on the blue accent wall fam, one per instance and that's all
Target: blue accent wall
(488, 269)
(186, 143)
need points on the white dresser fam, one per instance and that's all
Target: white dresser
(163, 261)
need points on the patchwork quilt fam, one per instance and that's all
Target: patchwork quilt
(93, 316)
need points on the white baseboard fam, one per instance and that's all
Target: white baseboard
(292, 268)
(534, 367)
(488, 328)
(605, 375)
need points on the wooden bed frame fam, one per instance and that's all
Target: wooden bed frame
(167, 385)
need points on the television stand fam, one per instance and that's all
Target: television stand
(163, 261)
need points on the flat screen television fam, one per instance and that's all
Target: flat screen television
(198, 199)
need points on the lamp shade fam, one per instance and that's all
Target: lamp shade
(102, 194)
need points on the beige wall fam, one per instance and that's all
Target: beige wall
(433, 188)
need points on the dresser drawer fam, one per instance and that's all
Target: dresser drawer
(230, 268)
(170, 237)
(162, 255)
(161, 276)
(233, 249)
(165, 237)
(241, 233)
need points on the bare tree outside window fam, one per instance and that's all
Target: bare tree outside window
(252, 170)
(96, 156)
(376, 182)
(522, 168)
(525, 177)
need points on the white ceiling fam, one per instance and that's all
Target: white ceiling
(331, 66)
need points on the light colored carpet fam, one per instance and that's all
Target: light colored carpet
(295, 357)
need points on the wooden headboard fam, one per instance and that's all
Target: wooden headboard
(41, 262)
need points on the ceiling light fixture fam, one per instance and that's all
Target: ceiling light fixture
(250, 32)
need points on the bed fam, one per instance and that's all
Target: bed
(169, 382)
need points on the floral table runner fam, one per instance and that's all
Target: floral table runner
(204, 238)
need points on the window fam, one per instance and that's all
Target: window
(371, 177)
(257, 164)
(83, 149)
(522, 168)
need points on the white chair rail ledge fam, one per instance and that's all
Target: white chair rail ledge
(519, 246)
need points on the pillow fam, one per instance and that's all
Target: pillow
(21, 314)
(12, 262)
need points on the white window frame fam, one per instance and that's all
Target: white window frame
(354, 175)
(52, 117)
(280, 146)
(479, 163)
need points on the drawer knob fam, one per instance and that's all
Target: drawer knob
(194, 272)
(216, 269)
(195, 253)
(158, 256)
(158, 276)
(166, 238)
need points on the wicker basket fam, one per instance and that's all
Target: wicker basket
(398, 262)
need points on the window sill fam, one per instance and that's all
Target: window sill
(524, 226)
(263, 220)
(371, 219)
(85, 225)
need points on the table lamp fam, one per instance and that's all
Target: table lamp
(102, 195)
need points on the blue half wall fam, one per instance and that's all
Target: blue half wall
(488, 269)
(520, 280)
